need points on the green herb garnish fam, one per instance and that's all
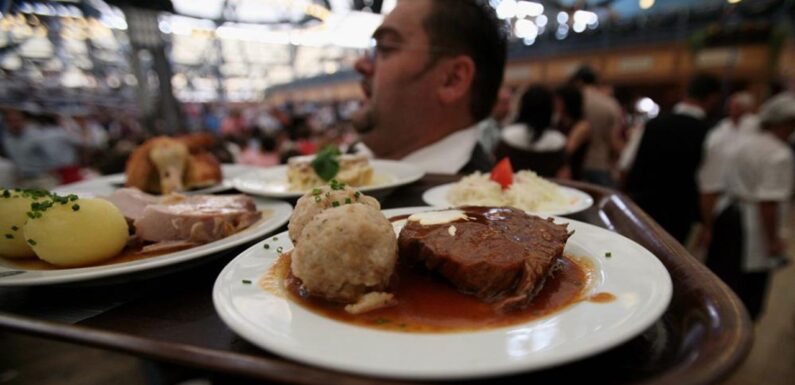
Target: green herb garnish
(75, 207)
(608, 254)
(31, 242)
(326, 163)
(279, 249)
(335, 204)
(336, 185)
(6, 194)
(317, 191)
(317, 199)
(247, 282)
(14, 228)
(266, 246)
(9, 236)
(348, 201)
(275, 238)
(357, 195)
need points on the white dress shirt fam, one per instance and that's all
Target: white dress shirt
(761, 169)
(448, 155)
(518, 136)
(718, 146)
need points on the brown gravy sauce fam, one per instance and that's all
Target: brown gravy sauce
(128, 254)
(428, 304)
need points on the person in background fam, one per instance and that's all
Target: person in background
(571, 122)
(747, 240)
(435, 73)
(40, 152)
(718, 145)
(259, 150)
(489, 128)
(530, 143)
(234, 124)
(662, 178)
(604, 116)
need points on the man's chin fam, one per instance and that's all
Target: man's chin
(363, 119)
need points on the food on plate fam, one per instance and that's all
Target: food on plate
(67, 231)
(320, 199)
(163, 165)
(197, 219)
(459, 269)
(70, 232)
(527, 191)
(14, 206)
(306, 172)
(501, 255)
(345, 252)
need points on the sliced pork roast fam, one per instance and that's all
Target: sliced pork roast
(199, 219)
(501, 255)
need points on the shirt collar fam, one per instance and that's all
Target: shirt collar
(448, 155)
(689, 110)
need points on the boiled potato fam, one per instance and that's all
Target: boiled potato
(13, 214)
(77, 233)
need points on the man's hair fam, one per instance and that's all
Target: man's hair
(471, 28)
(535, 110)
(584, 75)
(571, 97)
(702, 86)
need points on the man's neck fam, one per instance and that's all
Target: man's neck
(429, 132)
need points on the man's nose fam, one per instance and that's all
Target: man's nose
(364, 65)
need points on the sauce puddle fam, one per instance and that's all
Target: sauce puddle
(428, 304)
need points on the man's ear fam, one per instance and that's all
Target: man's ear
(456, 78)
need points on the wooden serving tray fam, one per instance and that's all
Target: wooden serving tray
(702, 337)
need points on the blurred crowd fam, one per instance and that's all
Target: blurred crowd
(42, 148)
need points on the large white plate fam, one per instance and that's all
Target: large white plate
(272, 182)
(639, 281)
(578, 200)
(11, 276)
(106, 185)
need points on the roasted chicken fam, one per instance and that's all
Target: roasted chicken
(163, 165)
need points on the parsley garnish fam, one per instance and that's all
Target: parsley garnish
(335, 204)
(247, 282)
(75, 207)
(336, 185)
(326, 163)
(279, 249)
(608, 254)
(9, 236)
(266, 246)
(348, 201)
(32, 242)
(14, 228)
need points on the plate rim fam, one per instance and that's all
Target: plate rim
(109, 180)
(417, 173)
(658, 307)
(427, 198)
(282, 212)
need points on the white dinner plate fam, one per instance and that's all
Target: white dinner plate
(106, 185)
(577, 200)
(636, 278)
(12, 276)
(272, 182)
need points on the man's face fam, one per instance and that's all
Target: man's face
(396, 79)
(735, 109)
(15, 122)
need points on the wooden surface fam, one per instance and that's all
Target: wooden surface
(702, 337)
